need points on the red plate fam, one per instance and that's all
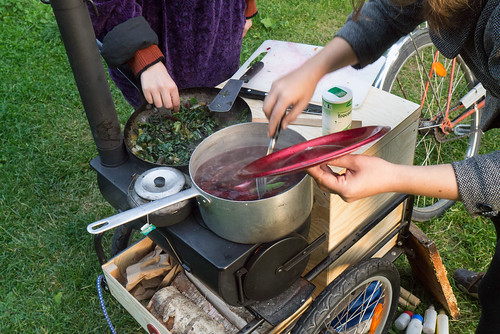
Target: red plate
(313, 152)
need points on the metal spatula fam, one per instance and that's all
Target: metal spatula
(224, 101)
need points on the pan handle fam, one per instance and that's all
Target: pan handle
(140, 211)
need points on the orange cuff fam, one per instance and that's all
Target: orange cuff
(251, 9)
(145, 58)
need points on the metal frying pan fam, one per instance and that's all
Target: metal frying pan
(239, 113)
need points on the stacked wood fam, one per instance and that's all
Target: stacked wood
(407, 300)
(189, 290)
(155, 269)
(180, 315)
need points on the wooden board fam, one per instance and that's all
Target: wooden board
(112, 271)
(282, 57)
(357, 251)
(330, 214)
(338, 219)
(427, 266)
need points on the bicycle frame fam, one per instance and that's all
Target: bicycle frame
(474, 98)
(471, 98)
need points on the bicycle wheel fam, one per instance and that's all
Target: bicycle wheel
(417, 75)
(349, 304)
(124, 236)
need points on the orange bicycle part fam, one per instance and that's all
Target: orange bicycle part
(428, 81)
(439, 69)
(467, 114)
(446, 124)
(377, 315)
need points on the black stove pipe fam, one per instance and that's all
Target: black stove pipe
(79, 40)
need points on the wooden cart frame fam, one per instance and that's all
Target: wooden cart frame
(420, 251)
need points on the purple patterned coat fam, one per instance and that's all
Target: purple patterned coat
(201, 40)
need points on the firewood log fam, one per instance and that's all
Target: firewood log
(180, 315)
(184, 286)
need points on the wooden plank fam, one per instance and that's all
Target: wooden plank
(358, 250)
(112, 271)
(293, 318)
(338, 219)
(428, 268)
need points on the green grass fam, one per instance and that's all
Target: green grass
(49, 193)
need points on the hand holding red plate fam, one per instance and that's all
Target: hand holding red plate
(313, 152)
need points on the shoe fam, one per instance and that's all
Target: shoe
(468, 281)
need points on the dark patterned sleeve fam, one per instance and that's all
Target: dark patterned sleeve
(107, 14)
(379, 25)
(478, 180)
(123, 41)
(492, 43)
(118, 24)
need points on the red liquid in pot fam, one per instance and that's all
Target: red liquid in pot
(218, 176)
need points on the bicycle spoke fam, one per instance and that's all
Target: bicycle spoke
(436, 90)
(357, 310)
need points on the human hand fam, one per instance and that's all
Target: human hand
(368, 175)
(297, 87)
(159, 88)
(248, 25)
(364, 176)
(294, 89)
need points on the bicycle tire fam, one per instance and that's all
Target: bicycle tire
(123, 237)
(432, 150)
(340, 300)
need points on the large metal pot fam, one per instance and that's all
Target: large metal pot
(239, 113)
(249, 222)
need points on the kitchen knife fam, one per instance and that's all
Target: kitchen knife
(260, 95)
(225, 99)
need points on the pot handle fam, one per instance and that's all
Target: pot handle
(140, 211)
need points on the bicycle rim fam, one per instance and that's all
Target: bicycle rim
(362, 297)
(419, 77)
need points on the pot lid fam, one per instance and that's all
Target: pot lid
(159, 182)
(313, 152)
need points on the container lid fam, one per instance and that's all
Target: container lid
(418, 316)
(159, 182)
(312, 152)
(338, 94)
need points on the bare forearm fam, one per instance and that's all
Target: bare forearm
(367, 176)
(433, 181)
(297, 87)
(335, 55)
